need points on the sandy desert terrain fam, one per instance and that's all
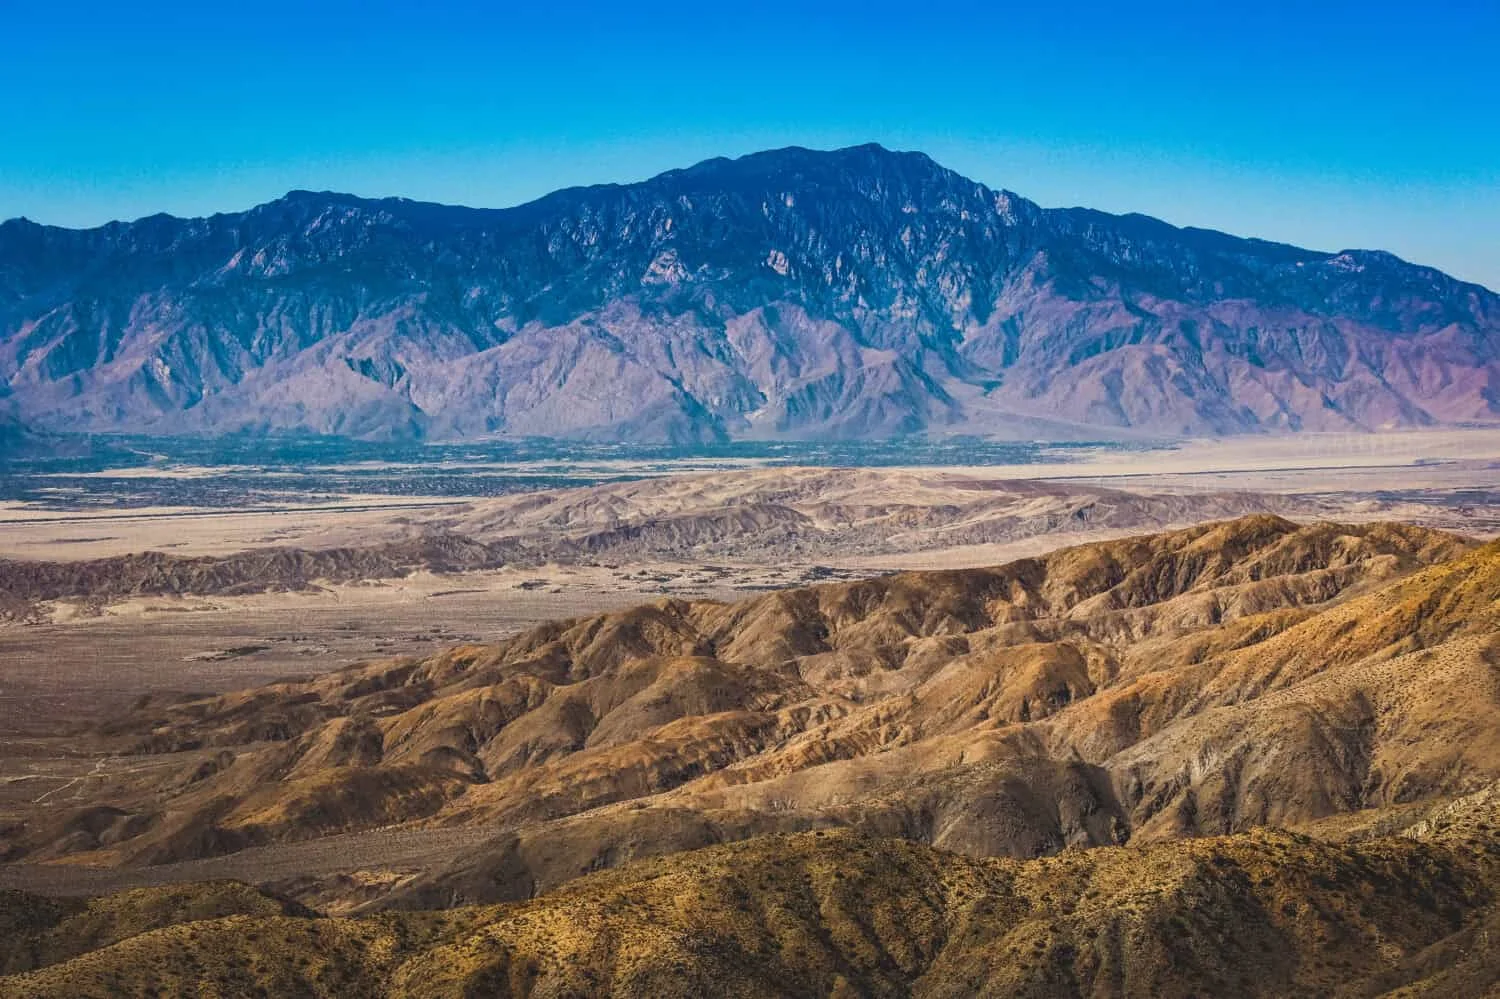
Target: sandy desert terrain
(706, 534)
(466, 703)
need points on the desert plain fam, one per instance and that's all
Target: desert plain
(703, 532)
(361, 703)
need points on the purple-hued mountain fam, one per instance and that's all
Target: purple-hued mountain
(793, 293)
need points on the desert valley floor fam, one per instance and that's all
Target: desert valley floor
(1214, 719)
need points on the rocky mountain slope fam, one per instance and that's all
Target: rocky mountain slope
(16, 439)
(1195, 682)
(859, 292)
(873, 788)
(835, 914)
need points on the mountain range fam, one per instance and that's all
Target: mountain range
(794, 293)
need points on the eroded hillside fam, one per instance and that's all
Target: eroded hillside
(1196, 682)
(796, 515)
(1067, 775)
(837, 914)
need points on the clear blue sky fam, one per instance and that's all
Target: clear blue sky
(1332, 124)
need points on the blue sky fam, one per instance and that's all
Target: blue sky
(1330, 124)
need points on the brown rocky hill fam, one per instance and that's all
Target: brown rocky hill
(831, 513)
(39, 931)
(252, 571)
(1057, 777)
(1203, 681)
(838, 914)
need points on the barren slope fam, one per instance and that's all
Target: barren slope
(795, 516)
(1262, 914)
(904, 769)
(1195, 682)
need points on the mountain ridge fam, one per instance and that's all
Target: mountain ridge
(301, 193)
(789, 293)
(831, 914)
(1249, 757)
(1140, 688)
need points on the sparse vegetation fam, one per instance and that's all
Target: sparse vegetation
(841, 914)
(909, 769)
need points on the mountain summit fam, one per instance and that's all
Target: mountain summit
(793, 293)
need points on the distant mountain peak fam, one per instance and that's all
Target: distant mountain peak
(792, 292)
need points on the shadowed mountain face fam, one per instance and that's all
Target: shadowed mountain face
(16, 439)
(790, 293)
